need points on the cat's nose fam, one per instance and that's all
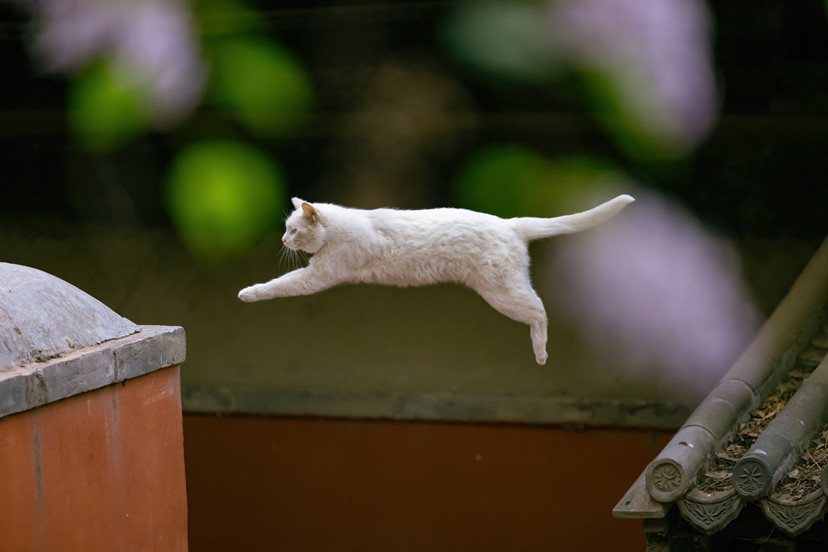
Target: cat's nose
(284, 240)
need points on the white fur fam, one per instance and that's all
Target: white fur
(413, 248)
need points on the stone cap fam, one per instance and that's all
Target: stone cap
(43, 317)
(57, 341)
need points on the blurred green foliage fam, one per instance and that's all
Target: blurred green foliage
(504, 181)
(105, 110)
(639, 123)
(511, 181)
(517, 43)
(502, 41)
(224, 196)
(225, 17)
(414, 95)
(258, 82)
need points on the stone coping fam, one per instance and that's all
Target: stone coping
(445, 407)
(37, 383)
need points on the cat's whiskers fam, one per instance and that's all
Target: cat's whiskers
(292, 259)
(284, 258)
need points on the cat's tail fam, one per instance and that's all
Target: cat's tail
(530, 228)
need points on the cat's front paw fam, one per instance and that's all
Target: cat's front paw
(250, 294)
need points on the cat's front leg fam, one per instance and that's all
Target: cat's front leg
(256, 292)
(298, 282)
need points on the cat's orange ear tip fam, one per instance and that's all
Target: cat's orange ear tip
(309, 211)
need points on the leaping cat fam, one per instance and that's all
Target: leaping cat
(419, 247)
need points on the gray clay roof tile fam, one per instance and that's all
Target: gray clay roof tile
(762, 434)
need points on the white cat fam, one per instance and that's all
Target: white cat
(411, 248)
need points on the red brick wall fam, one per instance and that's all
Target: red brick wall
(329, 485)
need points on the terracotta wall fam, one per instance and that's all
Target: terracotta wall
(334, 485)
(103, 470)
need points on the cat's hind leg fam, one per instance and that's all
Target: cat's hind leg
(523, 305)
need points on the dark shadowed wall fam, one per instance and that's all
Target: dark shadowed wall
(310, 485)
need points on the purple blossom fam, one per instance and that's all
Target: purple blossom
(658, 54)
(657, 291)
(152, 42)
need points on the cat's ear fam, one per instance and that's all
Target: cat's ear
(297, 203)
(310, 212)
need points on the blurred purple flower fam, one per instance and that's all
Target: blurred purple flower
(656, 52)
(150, 41)
(656, 291)
(70, 34)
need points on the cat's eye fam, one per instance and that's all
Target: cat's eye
(293, 231)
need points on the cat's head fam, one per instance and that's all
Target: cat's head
(304, 229)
